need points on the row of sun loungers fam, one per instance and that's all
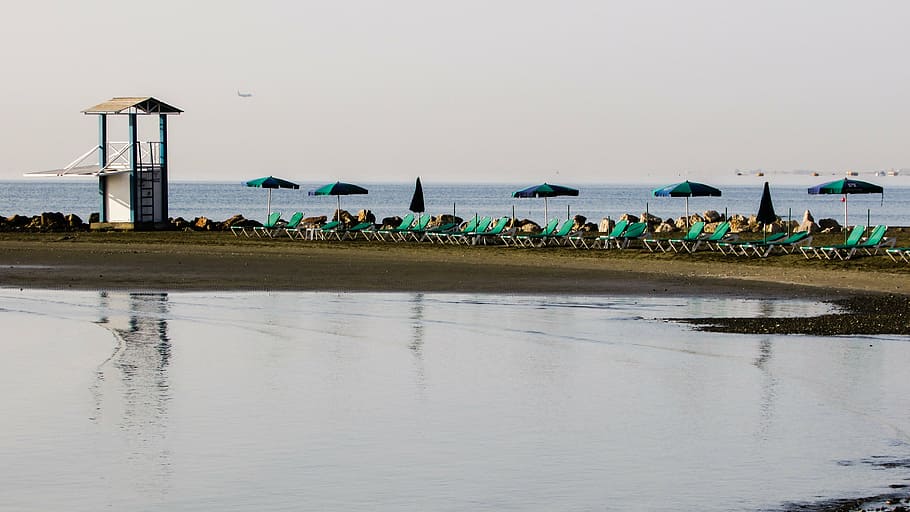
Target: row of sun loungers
(484, 231)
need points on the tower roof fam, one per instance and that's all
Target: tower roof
(142, 105)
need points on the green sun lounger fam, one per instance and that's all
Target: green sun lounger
(828, 251)
(675, 244)
(603, 241)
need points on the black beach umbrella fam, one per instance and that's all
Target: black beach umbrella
(270, 182)
(766, 213)
(417, 205)
(546, 190)
(686, 189)
(338, 189)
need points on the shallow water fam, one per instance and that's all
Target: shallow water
(319, 401)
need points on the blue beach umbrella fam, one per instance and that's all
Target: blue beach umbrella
(338, 189)
(686, 189)
(545, 190)
(270, 182)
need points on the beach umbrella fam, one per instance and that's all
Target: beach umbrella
(545, 190)
(766, 213)
(686, 189)
(270, 182)
(417, 205)
(338, 189)
(847, 186)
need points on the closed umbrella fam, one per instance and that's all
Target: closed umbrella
(766, 213)
(338, 189)
(546, 190)
(686, 189)
(270, 182)
(847, 186)
(417, 205)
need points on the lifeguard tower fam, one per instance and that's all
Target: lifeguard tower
(132, 174)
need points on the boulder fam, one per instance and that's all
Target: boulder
(391, 222)
(314, 221)
(203, 224)
(366, 216)
(18, 221)
(345, 217)
(712, 217)
(828, 226)
(527, 226)
(665, 227)
(579, 221)
(236, 220)
(808, 223)
(52, 221)
(73, 221)
(183, 224)
(445, 218)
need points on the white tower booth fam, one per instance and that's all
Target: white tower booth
(132, 174)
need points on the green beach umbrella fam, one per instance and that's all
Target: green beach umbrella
(545, 190)
(686, 189)
(338, 189)
(270, 182)
(847, 186)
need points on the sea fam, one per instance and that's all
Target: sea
(221, 200)
(313, 401)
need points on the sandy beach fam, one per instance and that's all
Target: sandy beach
(170, 261)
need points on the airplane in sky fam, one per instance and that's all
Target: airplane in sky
(244, 94)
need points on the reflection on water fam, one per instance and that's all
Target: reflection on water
(132, 388)
(319, 401)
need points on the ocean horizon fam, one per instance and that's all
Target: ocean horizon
(221, 200)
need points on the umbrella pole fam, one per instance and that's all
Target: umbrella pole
(687, 213)
(338, 211)
(546, 212)
(845, 218)
(268, 206)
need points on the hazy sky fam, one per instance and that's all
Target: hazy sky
(519, 91)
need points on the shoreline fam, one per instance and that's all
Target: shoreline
(873, 295)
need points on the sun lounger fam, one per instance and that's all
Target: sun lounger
(560, 236)
(271, 222)
(343, 232)
(828, 251)
(675, 244)
(442, 229)
(413, 232)
(877, 240)
(898, 254)
(763, 249)
(721, 234)
(465, 236)
(636, 232)
(383, 234)
(492, 233)
(579, 239)
(740, 247)
(327, 230)
(529, 239)
(442, 236)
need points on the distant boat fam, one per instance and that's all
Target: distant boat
(852, 173)
(244, 94)
(893, 173)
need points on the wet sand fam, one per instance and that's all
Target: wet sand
(196, 261)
